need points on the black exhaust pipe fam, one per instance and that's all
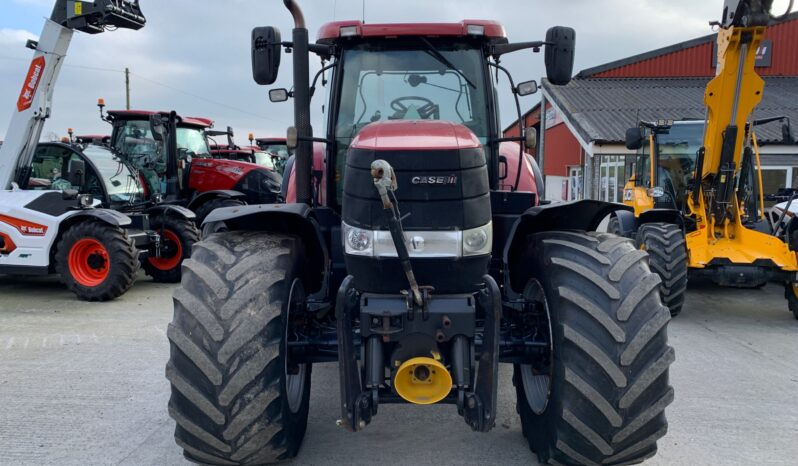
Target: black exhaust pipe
(304, 152)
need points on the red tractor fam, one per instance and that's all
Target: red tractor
(175, 162)
(418, 260)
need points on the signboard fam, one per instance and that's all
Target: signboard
(31, 84)
(764, 54)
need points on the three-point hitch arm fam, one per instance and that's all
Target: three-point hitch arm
(35, 99)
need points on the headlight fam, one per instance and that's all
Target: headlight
(478, 241)
(358, 242)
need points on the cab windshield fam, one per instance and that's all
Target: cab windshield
(120, 182)
(193, 140)
(676, 157)
(418, 81)
(136, 139)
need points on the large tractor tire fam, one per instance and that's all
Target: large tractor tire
(96, 261)
(178, 236)
(601, 395)
(667, 252)
(236, 397)
(205, 209)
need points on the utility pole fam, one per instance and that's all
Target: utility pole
(127, 87)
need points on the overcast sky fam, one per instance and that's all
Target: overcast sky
(193, 55)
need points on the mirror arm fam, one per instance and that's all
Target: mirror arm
(509, 139)
(521, 127)
(501, 49)
(316, 78)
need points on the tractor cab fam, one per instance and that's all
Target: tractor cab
(136, 135)
(671, 149)
(388, 73)
(92, 169)
(276, 150)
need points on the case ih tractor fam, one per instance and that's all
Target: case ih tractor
(177, 166)
(415, 268)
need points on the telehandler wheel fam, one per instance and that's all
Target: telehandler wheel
(236, 397)
(667, 252)
(96, 261)
(600, 398)
(210, 206)
(178, 236)
(791, 293)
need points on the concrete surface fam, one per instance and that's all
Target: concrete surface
(84, 384)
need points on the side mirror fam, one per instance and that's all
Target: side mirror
(278, 95)
(531, 138)
(157, 127)
(634, 138)
(526, 88)
(77, 173)
(265, 54)
(560, 42)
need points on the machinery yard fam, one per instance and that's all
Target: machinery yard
(84, 384)
(398, 285)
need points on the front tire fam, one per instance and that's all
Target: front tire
(236, 397)
(667, 252)
(604, 398)
(96, 261)
(178, 236)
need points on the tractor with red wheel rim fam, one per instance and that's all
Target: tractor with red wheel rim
(410, 254)
(165, 234)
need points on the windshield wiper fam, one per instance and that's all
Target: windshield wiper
(435, 53)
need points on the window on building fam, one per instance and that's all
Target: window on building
(612, 178)
(574, 184)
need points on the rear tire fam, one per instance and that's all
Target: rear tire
(232, 397)
(179, 236)
(667, 252)
(614, 226)
(96, 261)
(205, 209)
(608, 387)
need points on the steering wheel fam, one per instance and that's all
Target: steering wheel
(426, 110)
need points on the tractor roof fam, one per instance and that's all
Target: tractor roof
(490, 30)
(145, 114)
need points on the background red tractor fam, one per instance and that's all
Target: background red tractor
(174, 159)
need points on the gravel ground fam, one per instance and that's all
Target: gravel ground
(83, 383)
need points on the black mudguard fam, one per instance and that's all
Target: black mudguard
(291, 219)
(217, 194)
(108, 216)
(585, 215)
(168, 209)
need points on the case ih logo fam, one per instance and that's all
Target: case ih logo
(25, 228)
(434, 180)
(31, 84)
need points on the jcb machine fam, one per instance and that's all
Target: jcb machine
(410, 267)
(697, 193)
(55, 231)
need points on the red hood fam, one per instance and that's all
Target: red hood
(415, 135)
